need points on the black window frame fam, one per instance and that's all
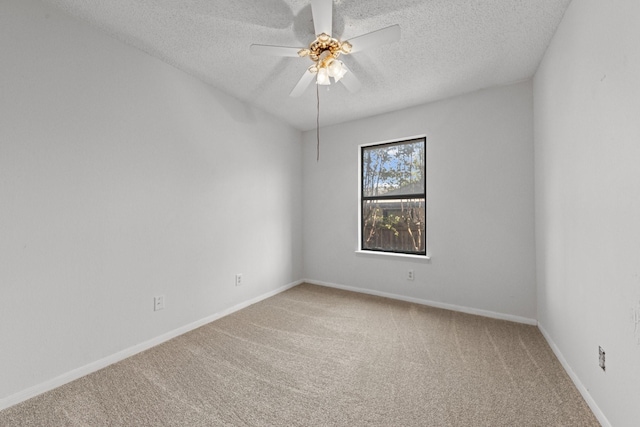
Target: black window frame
(409, 197)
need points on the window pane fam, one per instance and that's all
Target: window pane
(393, 169)
(396, 225)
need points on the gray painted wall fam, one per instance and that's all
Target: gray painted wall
(480, 215)
(587, 157)
(122, 178)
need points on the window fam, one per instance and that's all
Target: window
(393, 197)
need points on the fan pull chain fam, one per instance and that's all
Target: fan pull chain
(318, 122)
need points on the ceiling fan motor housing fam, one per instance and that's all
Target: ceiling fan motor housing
(325, 43)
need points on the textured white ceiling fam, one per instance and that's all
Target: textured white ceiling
(447, 47)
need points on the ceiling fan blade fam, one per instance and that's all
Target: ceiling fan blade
(375, 38)
(351, 82)
(263, 49)
(307, 77)
(322, 11)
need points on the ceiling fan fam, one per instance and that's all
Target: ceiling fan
(325, 50)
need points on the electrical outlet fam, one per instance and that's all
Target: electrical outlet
(410, 275)
(601, 358)
(239, 279)
(158, 302)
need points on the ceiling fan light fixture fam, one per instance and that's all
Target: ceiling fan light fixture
(341, 74)
(323, 77)
(335, 68)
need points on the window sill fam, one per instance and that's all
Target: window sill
(393, 255)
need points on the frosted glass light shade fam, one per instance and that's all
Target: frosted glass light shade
(323, 77)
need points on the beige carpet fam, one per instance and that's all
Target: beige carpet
(315, 356)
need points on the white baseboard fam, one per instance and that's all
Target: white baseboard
(121, 355)
(576, 380)
(462, 309)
